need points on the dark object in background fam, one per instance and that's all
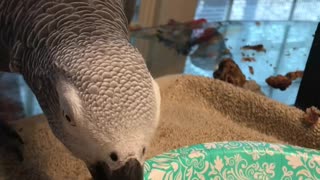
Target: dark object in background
(251, 70)
(10, 141)
(11, 103)
(4, 60)
(183, 36)
(177, 35)
(230, 72)
(129, 6)
(309, 91)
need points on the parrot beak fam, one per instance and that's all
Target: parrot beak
(132, 170)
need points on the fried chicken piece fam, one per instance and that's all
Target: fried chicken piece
(279, 82)
(283, 82)
(230, 72)
(294, 75)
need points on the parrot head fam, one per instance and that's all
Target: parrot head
(93, 86)
(107, 109)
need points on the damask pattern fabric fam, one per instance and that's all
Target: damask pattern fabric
(235, 160)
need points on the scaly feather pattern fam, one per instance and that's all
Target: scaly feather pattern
(85, 42)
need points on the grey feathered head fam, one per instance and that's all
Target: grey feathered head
(111, 107)
(92, 84)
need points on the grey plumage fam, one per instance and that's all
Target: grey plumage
(76, 58)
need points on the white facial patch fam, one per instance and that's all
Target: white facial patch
(80, 139)
(77, 133)
(158, 100)
(69, 99)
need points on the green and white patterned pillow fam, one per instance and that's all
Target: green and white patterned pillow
(235, 161)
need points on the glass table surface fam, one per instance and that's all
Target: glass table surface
(287, 46)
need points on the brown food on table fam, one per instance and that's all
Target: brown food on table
(279, 82)
(230, 72)
(283, 82)
(258, 48)
(295, 75)
(248, 59)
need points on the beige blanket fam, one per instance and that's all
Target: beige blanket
(193, 110)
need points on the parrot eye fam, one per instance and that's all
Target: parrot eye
(68, 119)
(114, 156)
(144, 151)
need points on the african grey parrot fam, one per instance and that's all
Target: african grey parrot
(93, 86)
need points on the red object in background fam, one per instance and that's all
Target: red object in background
(205, 36)
(182, 36)
(196, 24)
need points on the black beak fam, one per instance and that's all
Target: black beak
(132, 170)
